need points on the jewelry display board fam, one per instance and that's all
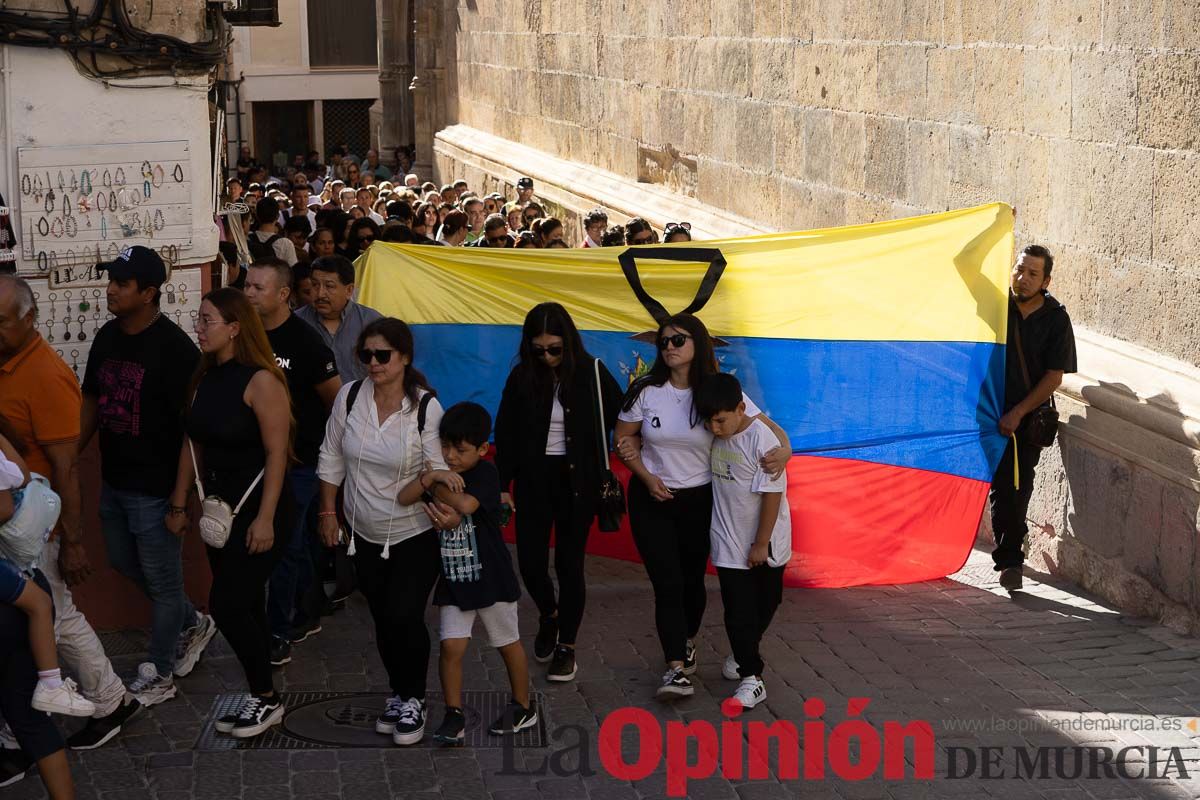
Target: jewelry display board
(83, 205)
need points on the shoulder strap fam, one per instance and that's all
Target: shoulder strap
(195, 469)
(422, 407)
(602, 440)
(352, 395)
(1021, 351)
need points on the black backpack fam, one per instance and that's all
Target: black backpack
(260, 249)
(421, 407)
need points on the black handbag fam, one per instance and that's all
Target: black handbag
(1040, 426)
(612, 495)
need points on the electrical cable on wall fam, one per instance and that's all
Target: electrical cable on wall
(91, 37)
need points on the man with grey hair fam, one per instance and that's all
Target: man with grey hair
(40, 399)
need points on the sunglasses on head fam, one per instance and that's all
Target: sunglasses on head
(683, 226)
(554, 350)
(677, 341)
(380, 356)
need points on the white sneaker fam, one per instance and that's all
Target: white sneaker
(751, 692)
(150, 688)
(729, 670)
(66, 700)
(191, 648)
(7, 740)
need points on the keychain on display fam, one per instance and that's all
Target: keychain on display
(67, 307)
(75, 363)
(170, 294)
(96, 319)
(182, 293)
(81, 336)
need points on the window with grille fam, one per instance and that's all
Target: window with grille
(341, 33)
(254, 12)
(348, 122)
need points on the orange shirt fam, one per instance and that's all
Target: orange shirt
(39, 396)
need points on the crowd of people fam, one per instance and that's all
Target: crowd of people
(376, 480)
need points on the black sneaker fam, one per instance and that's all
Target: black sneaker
(514, 720)
(100, 730)
(410, 727)
(546, 639)
(225, 724)
(13, 766)
(303, 630)
(257, 715)
(675, 684)
(281, 651)
(689, 658)
(453, 730)
(1010, 578)
(385, 723)
(562, 668)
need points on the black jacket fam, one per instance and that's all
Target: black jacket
(522, 428)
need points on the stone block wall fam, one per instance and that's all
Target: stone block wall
(1083, 114)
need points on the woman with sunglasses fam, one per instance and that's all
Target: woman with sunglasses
(677, 232)
(670, 495)
(363, 233)
(381, 433)
(548, 450)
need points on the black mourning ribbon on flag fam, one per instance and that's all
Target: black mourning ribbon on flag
(708, 284)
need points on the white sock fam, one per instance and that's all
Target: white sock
(51, 678)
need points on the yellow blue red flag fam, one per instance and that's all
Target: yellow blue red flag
(878, 348)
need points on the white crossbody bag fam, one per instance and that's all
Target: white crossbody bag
(216, 517)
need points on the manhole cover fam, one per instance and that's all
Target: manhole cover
(346, 719)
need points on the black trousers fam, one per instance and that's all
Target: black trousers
(672, 540)
(238, 598)
(751, 597)
(34, 730)
(546, 502)
(1010, 505)
(397, 590)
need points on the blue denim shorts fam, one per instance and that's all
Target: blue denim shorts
(12, 581)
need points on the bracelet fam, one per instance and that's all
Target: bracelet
(326, 513)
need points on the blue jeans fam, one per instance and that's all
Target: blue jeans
(142, 549)
(294, 573)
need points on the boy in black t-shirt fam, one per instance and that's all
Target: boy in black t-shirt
(477, 574)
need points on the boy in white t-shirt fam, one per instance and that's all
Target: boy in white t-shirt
(751, 529)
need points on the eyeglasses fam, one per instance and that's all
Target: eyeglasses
(367, 239)
(676, 341)
(682, 226)
(647, 239)
(495, 241)
(381, 356)
(554, 350)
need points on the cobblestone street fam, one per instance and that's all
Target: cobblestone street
(951, 652)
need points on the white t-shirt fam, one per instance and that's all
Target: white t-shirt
(739, 482)
(556, 440)
(283, 247)
(11, 476)
(672, 448)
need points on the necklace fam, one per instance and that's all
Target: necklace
(153, 320)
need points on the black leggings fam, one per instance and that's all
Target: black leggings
(238, 599)
(672, 539)
(751, 597)
(546, 501)
(397, 590)
(34, 730)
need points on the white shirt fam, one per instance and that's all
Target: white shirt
(375, 461)
(11, 476)
(283, 247)
(556, 440)
(378, 219)
(739, 482)
(672, 448)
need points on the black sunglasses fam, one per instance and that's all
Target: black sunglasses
(381, 356)
(647, 239)
(687, 226)
(554, 350)
(677, 340)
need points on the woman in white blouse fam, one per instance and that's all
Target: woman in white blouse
(666, 447)
(381, 432)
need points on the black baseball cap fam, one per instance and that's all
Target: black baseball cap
(137, 262)
(524, 183)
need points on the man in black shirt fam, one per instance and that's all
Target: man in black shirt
(1039, 331)
(293, 607)
(134, 392)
